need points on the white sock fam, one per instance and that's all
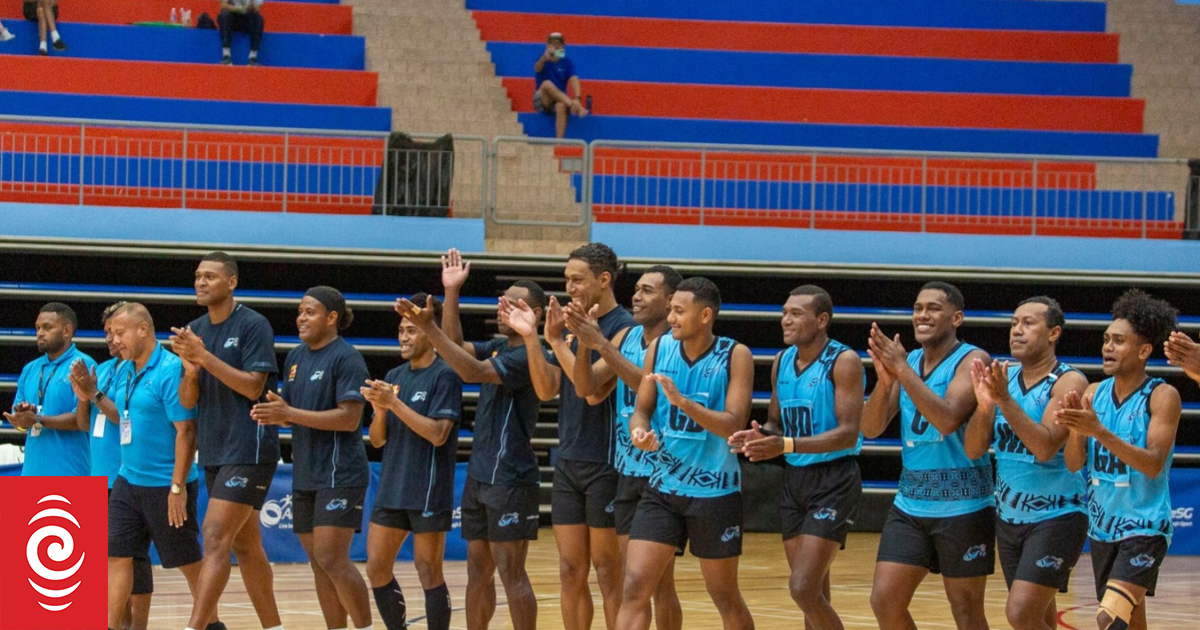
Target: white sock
(254, 54)
(189, 628)
(364, 628)
(225, 51)
(279, 627)
(54, 35)
(42, 46)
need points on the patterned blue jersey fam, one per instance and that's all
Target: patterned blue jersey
(692, 461)
(1029, 491)
(631, 460)
(938, 479)
(807, 402)
(1123, 502)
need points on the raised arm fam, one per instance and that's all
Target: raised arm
(523, 320)
(454, 274)
(460, 357)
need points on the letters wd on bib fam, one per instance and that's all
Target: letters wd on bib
(276, 517)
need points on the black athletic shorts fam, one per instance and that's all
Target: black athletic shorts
(629, 494)
(327, 507)
(1041, 553)
(143, 571)
(499, 513)
(955, 546)
(246, 484)
(711, 526)
(1134, 560)
(583, 493)
(137, 516)
(415, 521)
(821, 500)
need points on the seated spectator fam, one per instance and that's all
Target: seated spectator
(554, 74)
(6, 36)
(45, 13)
(243, 16)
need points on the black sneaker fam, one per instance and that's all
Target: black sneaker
(60, 44)
(43, 52)
(226, 60)
(253, 61)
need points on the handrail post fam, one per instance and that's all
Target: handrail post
(384, 177)
(924, 189)
(703, 174)
(812, 195)
(183, 184)
(285, 171)
(1034, 204)
(82, 157)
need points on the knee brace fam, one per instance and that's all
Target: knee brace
(1116, 608)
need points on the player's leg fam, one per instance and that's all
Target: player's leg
(331, 546)
(810, 558)
(481, 584)
(383, 544)
(429, 549)
(327, 597)
(574, 563)
(646, 563)
(257, 575)
(509, 558)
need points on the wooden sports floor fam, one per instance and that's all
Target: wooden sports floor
(764, 577)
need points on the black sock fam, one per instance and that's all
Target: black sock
(437, 608)
(390, 601)
(216, 625)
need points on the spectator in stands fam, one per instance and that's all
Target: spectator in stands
(5, 35)
(45, 13)
(243, 16)
(554, 73)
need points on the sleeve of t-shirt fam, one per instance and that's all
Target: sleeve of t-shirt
(258, 353)
(513, 368)
(351, 374)
(169, 394)
(483, 349)
(445, 401)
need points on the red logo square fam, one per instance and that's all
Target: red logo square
(54, 550)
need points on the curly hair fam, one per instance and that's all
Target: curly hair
(1153, 320)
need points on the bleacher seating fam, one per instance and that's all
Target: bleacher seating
(980, 76)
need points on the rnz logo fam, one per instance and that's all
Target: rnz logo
(61, 550)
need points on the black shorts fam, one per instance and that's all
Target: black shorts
(327, 507)
(629, 494)
(538, 105)
(246, 484)
(1041, 553)
(1134, 560)
(143, 571)
(499, 513)
(29, 11)
(583, 493)
(137, 516)
(415, 521)
(955, 546)
(821, 500)
(711, 526)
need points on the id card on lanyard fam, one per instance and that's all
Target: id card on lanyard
(126, 423)
(43, 385)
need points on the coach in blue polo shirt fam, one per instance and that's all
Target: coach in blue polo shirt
(45, 407)
(154, 496)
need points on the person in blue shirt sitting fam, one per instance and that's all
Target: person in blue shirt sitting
(554, 81)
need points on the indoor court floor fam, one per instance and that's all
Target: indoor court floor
(764, 576)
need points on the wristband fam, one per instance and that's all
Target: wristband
(789, 445)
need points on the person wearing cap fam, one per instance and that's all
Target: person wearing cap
(319, 398)
(556, 81)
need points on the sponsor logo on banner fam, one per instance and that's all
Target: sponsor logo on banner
(277, 514)
(1182, 517)
(54, 553)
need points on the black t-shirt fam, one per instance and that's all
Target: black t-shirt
(502, 451)
(586, 432)
(225, 432)
(416, 475)
(318, 381)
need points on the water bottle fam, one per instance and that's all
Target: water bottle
(174, 15)
(589, 104)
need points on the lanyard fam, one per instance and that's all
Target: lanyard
(111, 377)
(129, 389)
(43, 383)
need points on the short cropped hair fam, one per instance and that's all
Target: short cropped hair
(63, 311)
(419, 300)
(599, 258)
(1054, 312)
(227, 261)
(671, 278)
(953, 295)
(537, 296)
(703, 291)
(822, 302)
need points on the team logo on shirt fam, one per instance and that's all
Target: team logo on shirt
(1050, 562)
(731, 533)
(825, 514)
(419, 396)
(231, 342)
(318, 375)
(975, 552)
(512, 518)
(292, 373)
(336, 504)
(237, 482)
(1142, 561)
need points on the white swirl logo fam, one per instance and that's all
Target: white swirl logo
(59, 551)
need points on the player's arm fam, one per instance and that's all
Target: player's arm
(589, 377)
(766, 441)
(454, 274)
(189, 385)
(640, 433)
(848, 408)
(1044, 437)
(883, 404)
(377, 431)
(276, 411)
(191, 349)
(946, 414)
(1075, 451)
(982, 423)
(1165, 407)
(459, 356)
(547, 379)
(737, 398)
(433, 430)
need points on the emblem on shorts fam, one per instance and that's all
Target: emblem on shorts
(511, 518)
(608, 509)
(974, 553)
(426, 514)
(1050, 562)
(231, 342)
(1144, 561)
(825, 514)
(317, 375)
(336, 504)
(418, 397)
(236, 482)
(731, 533)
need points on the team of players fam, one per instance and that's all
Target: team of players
(653, 416)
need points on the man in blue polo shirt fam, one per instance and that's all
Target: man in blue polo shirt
(45, 408)
(554, 81)
(154, 496)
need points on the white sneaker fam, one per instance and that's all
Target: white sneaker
(6, 36)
